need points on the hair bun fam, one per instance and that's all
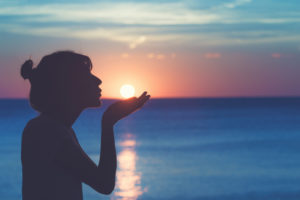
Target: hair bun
(26, 69)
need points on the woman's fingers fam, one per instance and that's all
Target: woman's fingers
(140, 101)
(143, 100)
(142, 95)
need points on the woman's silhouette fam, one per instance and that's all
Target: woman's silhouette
(53, 163)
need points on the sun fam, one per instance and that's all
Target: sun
(127, 91)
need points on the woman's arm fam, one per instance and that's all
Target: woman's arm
(74, 159)
(108, 158)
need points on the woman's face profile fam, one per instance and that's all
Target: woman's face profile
(87, 89)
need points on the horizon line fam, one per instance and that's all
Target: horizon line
(192, 97)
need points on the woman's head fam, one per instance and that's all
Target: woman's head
(62, 79)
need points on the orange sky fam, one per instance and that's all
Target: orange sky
(194, 74)
(224, 48)
(178, 74)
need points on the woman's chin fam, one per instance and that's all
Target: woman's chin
(98, 103)
(94, 104)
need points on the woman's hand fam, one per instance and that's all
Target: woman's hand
(123, 108)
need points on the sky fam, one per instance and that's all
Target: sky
(180, 48)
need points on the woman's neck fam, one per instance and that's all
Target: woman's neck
(65, 116)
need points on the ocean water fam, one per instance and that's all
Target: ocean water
(206, 149)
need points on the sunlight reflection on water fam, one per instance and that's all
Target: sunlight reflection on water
(128, 179)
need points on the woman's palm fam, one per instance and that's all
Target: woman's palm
(123, 108)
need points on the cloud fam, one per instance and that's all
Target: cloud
(124, 55)
(150, 55)
(280, 55)
(137, 23)
(212, 55)
(236, 3)
(124, 13)
(276, 55)
(140, 40)
(159, 56)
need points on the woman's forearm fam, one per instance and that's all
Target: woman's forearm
(108, 158)
(114, 113)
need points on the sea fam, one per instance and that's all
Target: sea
(198, 149)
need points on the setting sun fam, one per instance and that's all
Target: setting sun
(127, 91)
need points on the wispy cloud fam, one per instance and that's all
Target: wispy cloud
(136, 42)
(125, 55)
(160, 56)
(212, 55)
(280, 55)
(141, 23)
(121, 13)
(236, 3)
(276, 55)
(123, 22)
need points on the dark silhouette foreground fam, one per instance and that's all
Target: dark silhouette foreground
(53, 162)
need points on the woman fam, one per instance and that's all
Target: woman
(54, 164)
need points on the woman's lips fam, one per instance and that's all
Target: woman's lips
(99, 93)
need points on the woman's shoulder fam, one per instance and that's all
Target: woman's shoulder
(42, 137)
(43, 125)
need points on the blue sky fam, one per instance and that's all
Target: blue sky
(221, 23)
(210, 28)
